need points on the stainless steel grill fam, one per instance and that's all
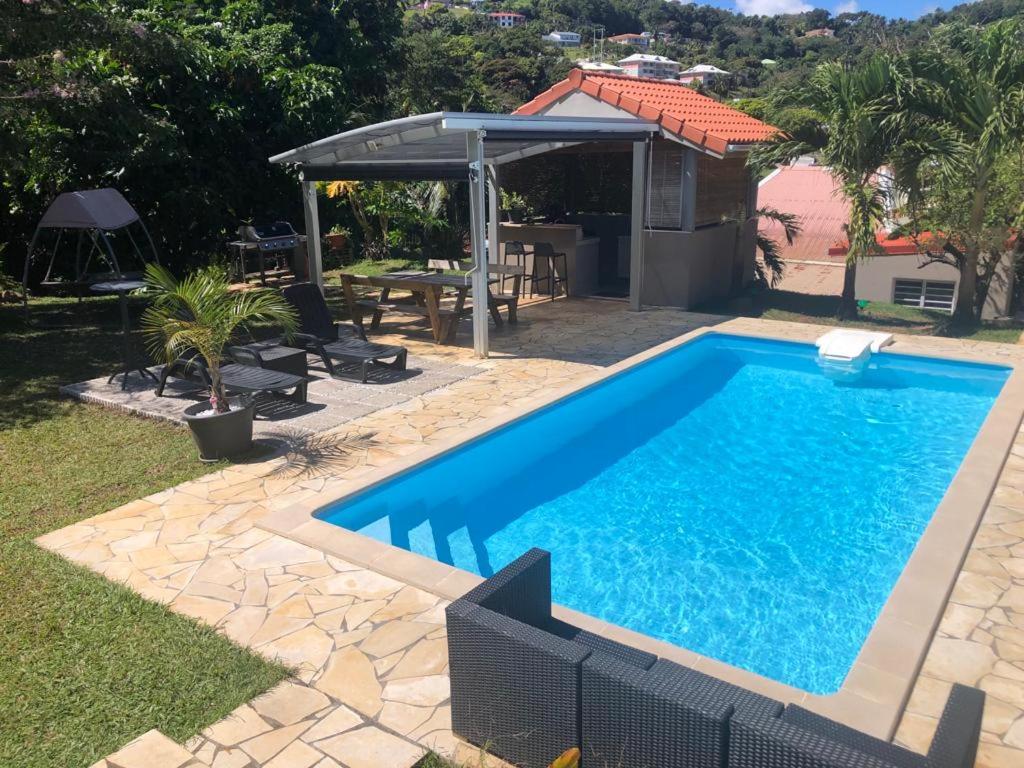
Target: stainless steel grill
(278, 248)
(276, 236)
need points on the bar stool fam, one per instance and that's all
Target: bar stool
(516, 249)
(547, 252)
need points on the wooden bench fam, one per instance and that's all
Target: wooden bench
(494, 300)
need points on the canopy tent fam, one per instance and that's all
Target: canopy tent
(93, 214)
(460, 146)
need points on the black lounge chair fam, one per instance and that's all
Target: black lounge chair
(321, 335)
(238, 377)
(526, 686)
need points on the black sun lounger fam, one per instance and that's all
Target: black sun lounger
(320, 335)
(237, 378)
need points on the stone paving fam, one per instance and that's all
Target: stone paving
(370, 687)
(331, 402)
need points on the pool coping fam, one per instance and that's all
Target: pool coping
(876, 689)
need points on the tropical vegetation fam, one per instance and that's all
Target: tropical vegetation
(179, 105)
(928, 142)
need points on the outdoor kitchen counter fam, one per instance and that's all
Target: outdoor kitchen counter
(581, 253)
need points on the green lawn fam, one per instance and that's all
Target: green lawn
(803, 308)
(373, 267)
(87, 665)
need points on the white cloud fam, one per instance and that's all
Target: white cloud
(848, 6)
(772, 7)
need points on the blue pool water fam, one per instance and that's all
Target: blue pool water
(726, 496)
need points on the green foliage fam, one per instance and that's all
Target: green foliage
(959, 165)
(770, 269)
(179, 105)
(393, 214)
(201, 315)
(844, 117)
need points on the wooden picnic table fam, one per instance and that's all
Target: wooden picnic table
(426, 288)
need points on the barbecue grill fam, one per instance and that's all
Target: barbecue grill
(279, 249)
(276, 236)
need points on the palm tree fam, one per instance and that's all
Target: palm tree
(842, 115)
(967, 104)
(200, 315)
(769, 270)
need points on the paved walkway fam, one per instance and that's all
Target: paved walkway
(371, 689)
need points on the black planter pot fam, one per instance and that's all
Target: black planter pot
(221, 435)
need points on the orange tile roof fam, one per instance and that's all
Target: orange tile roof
(679, 109)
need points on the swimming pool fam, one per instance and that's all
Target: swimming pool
(726, 496)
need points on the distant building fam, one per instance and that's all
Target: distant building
(564, 39)
(639, 39)
(599, 66)
(900, 273)
(507, 19)
(769, 63)
(649, 65)
(820, 32)
(702, 73)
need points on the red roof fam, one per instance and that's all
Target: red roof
(893, 246)
(676, 107)
(810, 193)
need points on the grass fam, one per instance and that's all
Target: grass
(878, 316)
(85, 664)
(373, 268)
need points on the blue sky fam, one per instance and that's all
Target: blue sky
(908, 9)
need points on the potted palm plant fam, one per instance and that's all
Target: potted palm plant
(196, 318)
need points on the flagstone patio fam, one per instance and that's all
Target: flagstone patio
(370, 688)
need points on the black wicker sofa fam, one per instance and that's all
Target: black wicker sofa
(527, 686)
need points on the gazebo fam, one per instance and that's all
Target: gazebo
(469, 147)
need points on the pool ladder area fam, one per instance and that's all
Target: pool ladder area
(844, 353)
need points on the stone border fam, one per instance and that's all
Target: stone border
(875, 692)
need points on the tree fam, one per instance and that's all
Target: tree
(179, 105)
(391, 212)
(200, 315)
(842, 115)
(966, 104)
(769, 270)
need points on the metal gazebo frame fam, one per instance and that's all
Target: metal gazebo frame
(463, 146)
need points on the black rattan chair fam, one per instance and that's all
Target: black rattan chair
(321, 335)
(802, 739)
(526, 686)
(667, 715)
(515, 670)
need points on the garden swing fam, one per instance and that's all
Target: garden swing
(95, 216)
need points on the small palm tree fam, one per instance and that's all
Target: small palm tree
(843, 115)
(201, 315)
